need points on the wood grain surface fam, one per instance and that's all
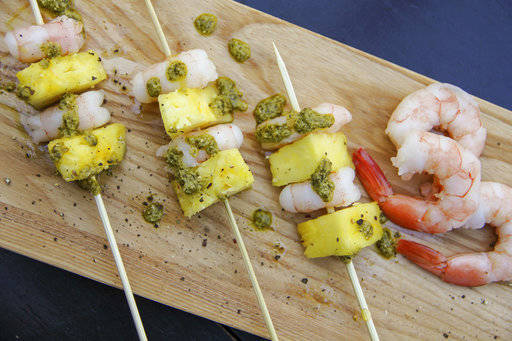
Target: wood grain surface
(194, 264)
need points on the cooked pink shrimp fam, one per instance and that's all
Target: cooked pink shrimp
(440, 106)
(300, 197)
(45, 126)
(456, 173)
(200, 71)
(25, 43)
(341, 117)
(474, 269)
(227, 136)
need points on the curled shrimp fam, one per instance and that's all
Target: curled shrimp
(200, 71)
(341, 117)
(456, 174)
(440, 106)
(45, 126)
(227, 136)
(300, 197)
(25, 43)
(473, 269)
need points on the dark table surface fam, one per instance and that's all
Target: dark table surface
(467, 43)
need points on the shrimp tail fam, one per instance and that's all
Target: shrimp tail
(371, 176)
(423, 256)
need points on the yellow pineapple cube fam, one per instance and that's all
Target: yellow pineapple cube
(43, 83)
(342, 233)
(223, 175)
(80, 156)
(297, 161)
(189, 108)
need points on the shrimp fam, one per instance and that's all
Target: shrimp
(45, 126)
(25, 43)
(473, 269)
(440, 106)
(200, 71)
(341, 117)
(300, 197)
(227, 136)
(456, 174)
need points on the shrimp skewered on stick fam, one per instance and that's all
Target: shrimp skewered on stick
(304, 226)
(80, 157)
(222, 184)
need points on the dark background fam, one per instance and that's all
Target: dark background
(468, 43)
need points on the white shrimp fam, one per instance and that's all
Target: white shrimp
(227, 136)
(25, 43)
(200, 71)
(439, 106)
(45, 126)
(341, 117)
(300, 197)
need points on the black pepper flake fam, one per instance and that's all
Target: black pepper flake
(105, 246)
(304, 280)
(54, 239)
(359, 222)
(204, 243)
(182, 278)
(209, 185)
(445, 335)
(93, 78)
(201, 199)
(276, 257)
(238, 311)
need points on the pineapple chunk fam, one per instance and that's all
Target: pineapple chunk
(297, 161)
(342, 233)
(224, 174)
(46, 81)
(188, 108)
(80, 156)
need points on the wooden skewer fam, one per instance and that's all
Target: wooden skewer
(108, 231)
(158, 28)
(365, 312)
(234, 226)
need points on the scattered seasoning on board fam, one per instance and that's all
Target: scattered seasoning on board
(262, 219)
(239, 50)
(205, 24)
(153, 212)
(269, 108)
(387, 244)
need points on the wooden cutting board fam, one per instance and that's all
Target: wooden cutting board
(194, 264)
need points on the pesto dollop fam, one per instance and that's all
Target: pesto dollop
(153, 212)
(24, 92)
(153, 87)
(239, 50)
(205, 24)
(387, 244)
(262, 219)
(308, 120)
(269, 108)
(90, 184)
(273, 133)
(91, 139)
(320, 181)
(186, 177)
(70, 119)
(346, 259)
(205, 142)
(229, 98)
(176, 71)
(365, 227)
(51, 49)
(57, 151)
(61, 7)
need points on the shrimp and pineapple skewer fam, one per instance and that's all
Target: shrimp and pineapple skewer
(306, 199)
(216, 105)
(78, 156)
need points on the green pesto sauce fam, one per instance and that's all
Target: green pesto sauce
(382, 218)
(176, 71)
(51, 49)
(70, 119)
(153, 87)
(308, 120)
(186, 177)
(320, 181)
(273, 133)
(205, 24)
(269, 108)
(262, 219)
(205, 142)
(346, 259)
(24, 92)
(61, 7)
(229, 98)
(58, 150)
(90, 184)
(8, 86)
(91, 139)
(387, 244)
(239, 50)
(365, 227)
(153, 212)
